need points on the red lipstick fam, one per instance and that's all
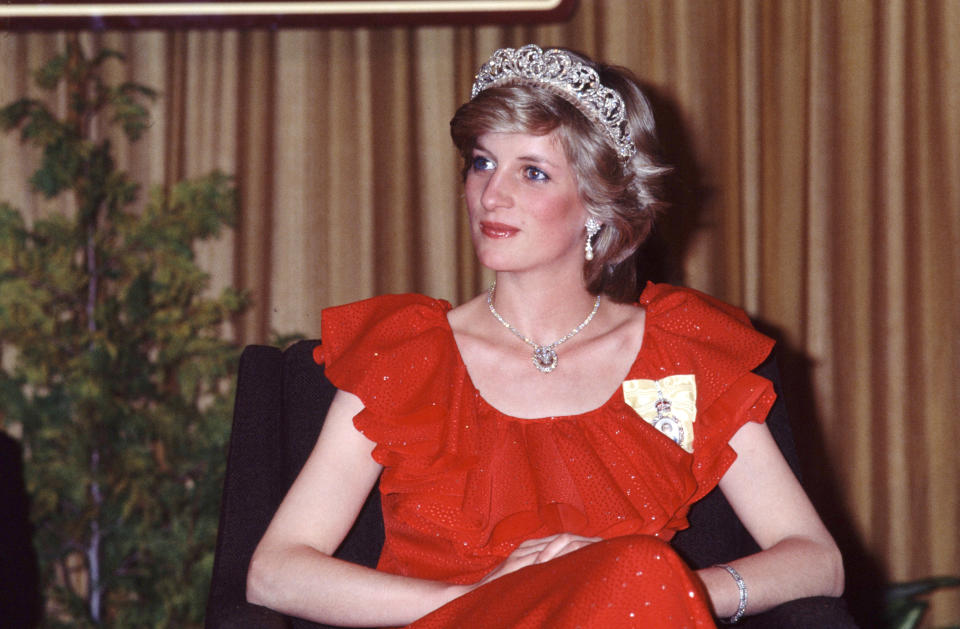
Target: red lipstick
(497, 230)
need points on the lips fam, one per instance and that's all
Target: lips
(497, 230)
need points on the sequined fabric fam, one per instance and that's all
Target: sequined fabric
(463, 484)
(634, 581)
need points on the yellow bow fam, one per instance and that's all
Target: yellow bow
(669, 405)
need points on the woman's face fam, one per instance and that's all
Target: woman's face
(524, 205)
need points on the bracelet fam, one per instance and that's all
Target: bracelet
(743, 595)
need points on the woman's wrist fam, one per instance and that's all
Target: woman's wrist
(741, 595)
(451, 591)
(722, 590)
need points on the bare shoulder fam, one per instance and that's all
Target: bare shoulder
(624, 323)
(467, 315)
(473, 328)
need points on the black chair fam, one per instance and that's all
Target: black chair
(281, 399)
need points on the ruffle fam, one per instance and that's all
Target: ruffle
(367, 343)
(394, 353)
(463, 484)
(691, 332)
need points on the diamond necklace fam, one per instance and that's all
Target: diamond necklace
(544, 356)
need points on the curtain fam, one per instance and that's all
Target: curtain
(819, 142)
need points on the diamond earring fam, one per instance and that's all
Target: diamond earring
(593, 226)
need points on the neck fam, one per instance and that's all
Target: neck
(543, 311)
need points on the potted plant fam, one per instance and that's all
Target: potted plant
(115, 367)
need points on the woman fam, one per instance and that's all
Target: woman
(526, 495)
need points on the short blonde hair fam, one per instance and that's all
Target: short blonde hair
(625, 196)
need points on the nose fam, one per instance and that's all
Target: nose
(497, 191)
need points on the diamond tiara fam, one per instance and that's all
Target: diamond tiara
(570, 79)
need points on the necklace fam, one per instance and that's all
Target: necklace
(544, 356)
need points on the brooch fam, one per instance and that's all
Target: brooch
(669, 405)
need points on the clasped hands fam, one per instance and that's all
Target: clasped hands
(537, 551)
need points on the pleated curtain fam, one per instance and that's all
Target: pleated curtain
(820, 142)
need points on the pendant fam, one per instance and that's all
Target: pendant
(666, 423)
(545, 359)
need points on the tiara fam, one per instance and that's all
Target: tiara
(569, 78)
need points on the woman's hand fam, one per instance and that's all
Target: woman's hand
(541, 550)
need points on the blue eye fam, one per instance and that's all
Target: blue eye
(481, 163)
(534, 173)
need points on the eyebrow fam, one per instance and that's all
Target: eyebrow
(532, 157)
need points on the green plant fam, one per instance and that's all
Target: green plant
(118, 372)
(903, 609)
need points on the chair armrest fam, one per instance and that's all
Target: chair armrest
(245, 616)
(822, 612)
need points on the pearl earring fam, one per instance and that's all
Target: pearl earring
(593, 226)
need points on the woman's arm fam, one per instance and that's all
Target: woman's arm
(799, 557)
(292, 569)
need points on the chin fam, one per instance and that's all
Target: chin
(495, 258)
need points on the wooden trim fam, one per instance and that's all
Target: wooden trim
(116, 14)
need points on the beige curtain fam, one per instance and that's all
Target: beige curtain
(826, 137)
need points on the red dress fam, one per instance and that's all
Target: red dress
(463, 484)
